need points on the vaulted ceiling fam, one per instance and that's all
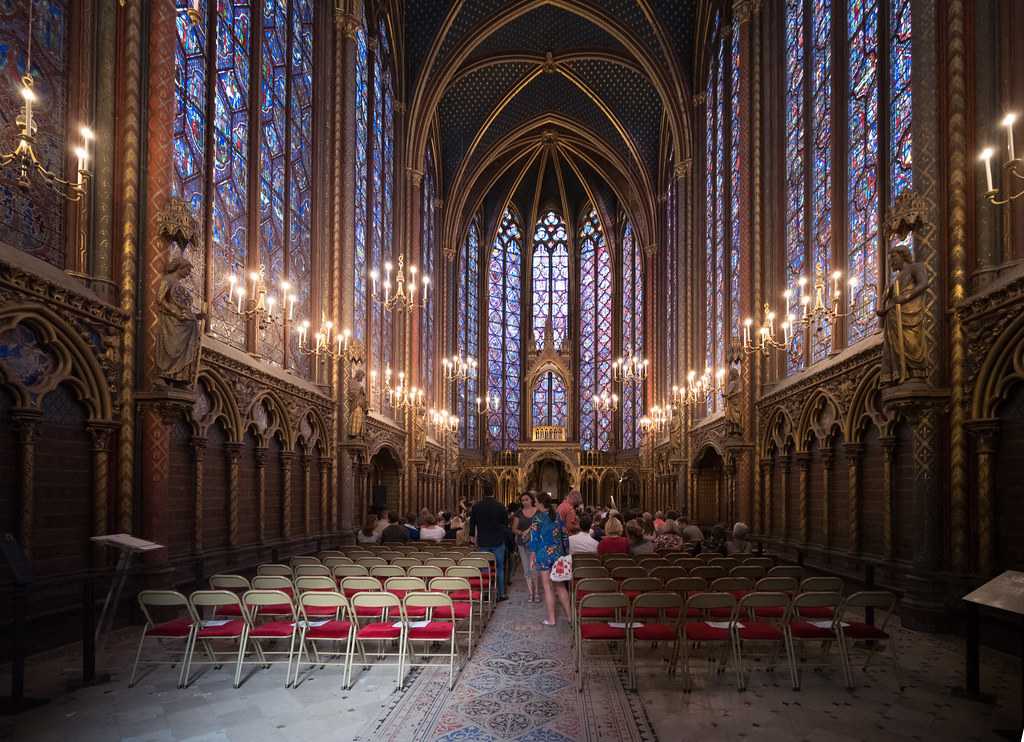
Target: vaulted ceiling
(598, 90)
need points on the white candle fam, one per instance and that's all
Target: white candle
(1008, 122)
(241, 293)
(426, 285)
(986, 155)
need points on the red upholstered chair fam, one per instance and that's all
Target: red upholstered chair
(866, 639)
(386, 626)
(820, 585)
(299, 560)
(625, 572)
(685, 587)
(753, 631)
(180, 629)
(750, 571)
(738, 586)
(613, 608)
(704, 632)
(230, 627)
(384, 571)
(283, 627)
(425, 572)
(315, 584)
(583, 588)
(280, 584)
(312, 570)
(352, 586)
(653, 617)
(668, 573)
(402, 586)
(632, 587)
(787, 570)
(708, 572)
(477, 588)
(324, 618)
(788, 585)
(488, 577)
(236, 584)
(817, 631)
(274, 570)
(430, 627)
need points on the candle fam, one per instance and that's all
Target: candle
(805, 301)
(340, 340)
(788, 295)
(836, 275)
(254, 277)
(986, 155)
(374, 275)
(270, 306)
(1008, 122)
(241, 293)
(853, 286)
(785, 332)
(83, 157)
(426, 285)
(346, 333)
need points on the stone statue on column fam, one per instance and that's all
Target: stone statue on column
(357, 396)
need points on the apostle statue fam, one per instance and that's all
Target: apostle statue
(901, 313)
(733, 385)
(356, 404)
(179, 327)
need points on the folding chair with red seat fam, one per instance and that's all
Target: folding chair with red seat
(235, 583)
(588, 586)
(462, 610)
(401, 586)
(328, 553)
(431, 627)
(668, 573)
(751, 630)
(386, 625)
(283, 627)
(750, 571)
(820, 585)
(582, 572)
(312, 570)
(281, 585)
(868, 638)
(786, 570)
(229, 628)
(737, 586)
(632, 587)
(754, 561)
(350, 570)
(685, 587)
(725, 563)
(372, 561)
(477, 591)
(601, 618)
(315, 584)
(707, 572)
(787, 585)
(823, 631)
(424, 571)
(382, 572)
(181, 628)
(352, 586)
(485, 561)
(323, 619)
(689, 563)
(653, 617)
(436, 561)
(705, 630)
(621, 573)
(332, 562)
(405, 562)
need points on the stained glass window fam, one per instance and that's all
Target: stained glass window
(281, 59)
(360, 267)
(230, 209)
(811, 151)
(632, 333)
(550, 279)
(735, 248)
(550, 400)
(189, 182)
(427, 248)
(596, 325)
(711, 204)
(717, 334)
(504, 362)
(467, 328)
(863, 159)
(383, 167)
(33, 219)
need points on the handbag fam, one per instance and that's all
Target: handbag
(561, 570)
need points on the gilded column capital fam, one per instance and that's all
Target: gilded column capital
(682, 168)
(347, 23)
(416, 176)
(399, 107)
(698, 99)
(438, 204)
(741, 11)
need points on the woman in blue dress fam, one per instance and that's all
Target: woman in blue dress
(547, 543)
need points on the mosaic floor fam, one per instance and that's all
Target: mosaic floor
(519, 686)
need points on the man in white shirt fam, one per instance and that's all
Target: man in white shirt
(583, 542)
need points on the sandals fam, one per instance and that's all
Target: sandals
(545, 622)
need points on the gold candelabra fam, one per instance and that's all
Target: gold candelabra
(763, 340)
(398, 293)
(258, 302)
(629, 369)
(606, 402)
(1013, 166)
(457, 368)
(487, 405)
(326, 344)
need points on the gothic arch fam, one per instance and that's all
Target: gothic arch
(1002, 369)
(215, 401)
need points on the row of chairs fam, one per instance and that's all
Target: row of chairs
(688, 616)
(403, 610)
(674, 556)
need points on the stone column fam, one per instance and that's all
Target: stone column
(888, 456)
(261, 493)
(234, 453)
(100, 433)
(287, 464)
(785, 461)
(26, 425)
(763, 512)
(828, 460)
(986, 436)
(198, 462)
(854, 456)
(326, 512)
(160, 411)
(347, 490)
(803, 462)
(305, 461)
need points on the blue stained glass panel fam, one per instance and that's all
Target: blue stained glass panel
(796, 247)
(595, 333)
(735, 248)
(467, 333)
(863, 162)
(821, 162)
(427, 248)
(360, 268)
(632, 333)
(550, 279)
(504, 364)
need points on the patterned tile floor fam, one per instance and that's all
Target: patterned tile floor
(519, 685)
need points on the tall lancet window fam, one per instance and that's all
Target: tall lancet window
(427, 248)
(550, 278)
(874, 153)
(632, 333)
(362, 205)
(550, 400)
(467, 333)
(216, 85)
(504, 359)
(596, 327)
(383, 174)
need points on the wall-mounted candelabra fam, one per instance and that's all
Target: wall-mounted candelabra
(629, 369)
(699, 389)
(398, 293)
(606, 402)
(1013, 166)
(458, 368)
(763, 340)
(487, 405)
(326, 344)
(822, 304)
(657, 420)
(257, 302)
(443, 422)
